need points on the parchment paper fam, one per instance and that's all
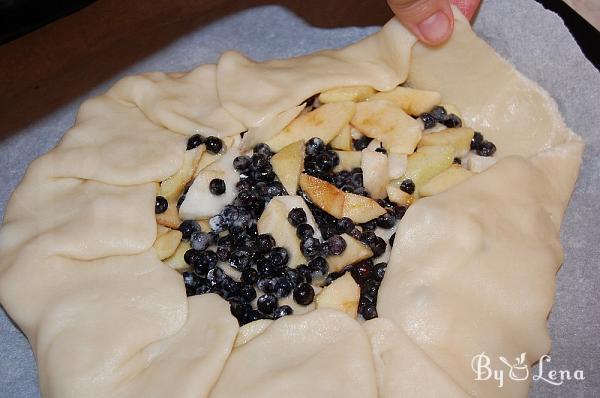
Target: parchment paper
(533, 39)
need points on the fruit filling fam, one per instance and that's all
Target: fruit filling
(307, 217)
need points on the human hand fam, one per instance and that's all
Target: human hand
(431, 20)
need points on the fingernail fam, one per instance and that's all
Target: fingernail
(435, 28)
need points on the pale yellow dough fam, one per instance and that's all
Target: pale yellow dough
(472, 268)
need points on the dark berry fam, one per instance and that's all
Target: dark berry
(223, 253)
(310, 247)
(187, 228)
(265, 242)
(265, 267)
(379, 271)
(369, 312)
(428, 120)
(304, 294)
(452, 121)
(314, 146)
(213, 144)
(217, 223)
(200, 240)
(283, 287)
(195, 141)
(208, 258)
(344, 225)
(336, 245)
(392, 238)
(191, 257)
(476, 140)
(369, 225)
(259, 161)
(242, 163)
(369, 290)
(356, 234)
(362, 271)
(486, 148)
(275, 188)
(318, 266)
(323, 163)
(215, 276)
(161, 205)
(362, 143)
(457, 161)
(217, 186)
(297, 216)
(279, 256)
(249, 276)
(381, 150)
(247, 293)
(439, 113)
(266, 303)
(378, 247)
(304, 272)
(386, 220)
(263, 149)
(295, 276)
(408, 186)
(266, 285)
(282, 311)
(304, 231)
(240, 259)
(399, 212)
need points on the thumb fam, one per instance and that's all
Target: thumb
(430, 20)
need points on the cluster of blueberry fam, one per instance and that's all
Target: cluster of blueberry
(481, 146)
(439, 115)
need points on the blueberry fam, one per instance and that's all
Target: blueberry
(357, 178)
(368, 237)
(386, 220)
(266, 304)
(213, 144)
(240, 259)
(486, 148)
(323, 163)
(304, 294)
(356, 234)
(242, 312)
(263, 149)
(310, 247)
(304, 272)
(275, 188)
(336, 245)
(378, 247)
(191, 257)
(230, 289)
(200, 240)
(439, 113)
(160, 205)
(476, 141)
(332, 276)
(247, 293)
(215, 276)
(362, 271)
(242, 163)
(279, 256)
(283, 287)
(264, 242)
(408, 186)
(428, 120)
(314, 146)
(392, 238)
(452, 121)
(362, 143)
(282, 311)
(202, 289)
(223, 253)
(457, 161)
(297, 216)
(217, 186)
(217, 223)
(369, 225)
(295, 276)
(344, 225)
(265, 175)
(379, 271)
(187, 228)
(230, 214)
(381, 150)
(369, 312)
(265, 267)
(399, 212)
(369, 290)
(249, 276)
(189, 279)
(208, 258)
(318, 266)
(304, 231)
(195, 141)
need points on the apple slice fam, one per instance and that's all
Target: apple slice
(398, 196)
(343, 140)
(325, 122)
(361, 209)
(451, 109)
(343, 294)
(173, 186)
(375, 173)
(269, 128)
(428, 162)
(355, 251)
(445, 180)
(389, 124)
(396, 165)
(200, 203)
(274, 221)
(349, 93)
(348, 160)
(176, 261)
(288, 165)
(166, 244)
(477, 163)
(412, 101)
(170, 218)
(323, 194)
(459, 138)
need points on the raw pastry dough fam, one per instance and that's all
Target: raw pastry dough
(472, 269)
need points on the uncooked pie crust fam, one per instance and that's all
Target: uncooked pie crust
(473, 268)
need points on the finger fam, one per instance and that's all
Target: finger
(467, 7)
(430, 20)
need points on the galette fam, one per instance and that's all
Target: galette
(359, 222)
